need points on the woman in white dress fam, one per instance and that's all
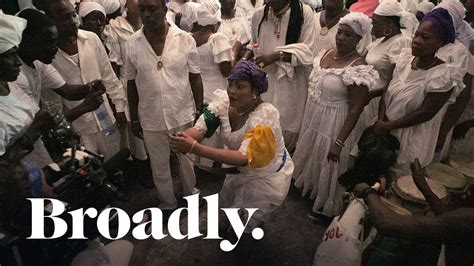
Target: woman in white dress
(251, 130)
(282, 43)
(215, 57)
(338, 88)
(422, 86)
(388, 20)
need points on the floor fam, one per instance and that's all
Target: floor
(290, 236)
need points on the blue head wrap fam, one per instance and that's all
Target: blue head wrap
(443, 24)
(246, 70)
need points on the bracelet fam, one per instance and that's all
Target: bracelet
(192, 146)
(339, 143)
(367, 192)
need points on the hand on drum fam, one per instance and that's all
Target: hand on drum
(181, 142)
(334, 153)
(418, 175)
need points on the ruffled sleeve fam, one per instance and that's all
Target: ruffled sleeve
(364, 75)
(219, 108)
(457, 54)
(221, 49)
(444, 78)
(259, 144)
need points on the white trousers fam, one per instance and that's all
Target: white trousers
(158, 147)
(136, 145)
(100, 143)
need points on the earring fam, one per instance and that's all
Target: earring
(255, 96)
(385, 33)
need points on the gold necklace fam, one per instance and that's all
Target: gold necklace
(325, 30)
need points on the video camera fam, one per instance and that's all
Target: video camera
(81, 179)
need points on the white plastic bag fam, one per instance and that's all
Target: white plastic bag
(343, 242)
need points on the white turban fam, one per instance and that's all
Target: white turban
(11, 29)
(87, 7)
(362, 26)
(425, 7)
(464, 32)
(390, 8)
(189, 14)
(209, 13)
(110, 6)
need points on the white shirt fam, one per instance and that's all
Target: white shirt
(166, 100)
(92, 63)
(236, 29)
(36, 79)
(17, 111)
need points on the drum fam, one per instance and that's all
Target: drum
(451, 178)
(395, 207)
(406, 194)
(467, 170)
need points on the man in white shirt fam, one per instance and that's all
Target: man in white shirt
(164, 89)
(81, 59)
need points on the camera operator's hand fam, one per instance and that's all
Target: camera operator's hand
(137, 129)
(43, 121)
(92, 102)
(121, 119)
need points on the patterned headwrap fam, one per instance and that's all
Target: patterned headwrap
(443, 24)
(246, 70)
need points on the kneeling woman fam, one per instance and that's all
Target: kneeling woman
(251, 130)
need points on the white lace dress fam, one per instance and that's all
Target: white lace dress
(264, 187)
(326, 110)
(383, 56)
(406, 94)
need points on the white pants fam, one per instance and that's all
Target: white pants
(136, 145)
(100, 143)
(157, 144)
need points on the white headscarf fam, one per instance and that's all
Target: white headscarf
(87, 7)
(425, 7)
(390, 8)
(464, 31)
(110, 6)
(189, 15)
(209, 13)
(362, 26)
(11, 29)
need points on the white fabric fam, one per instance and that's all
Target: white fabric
(302, 54)
(92, 64)
(17, 111)
(263, 188)
(87, 7)
(325, 114)
(34, 80)
(188, 15)
(409, 5)
(361, 24)
(323, 43)
(406, 94)
(157, 144)
(12, 28)
(110, 6)
(286, 93)
(393, 8)
(166, 99)
(216, 50)
(244, 8)
(464, 148)
(99, 143)
(425, 7)
(236, 30)
(464, 32)
(209, 12)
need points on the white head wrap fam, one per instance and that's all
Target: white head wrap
(425, 7)
(189, 14)
(110, 6)
(362, 26)
(87, 7)
(464, 32)
(389, 8)
(409, 5)
(209, 13)
(11, 30)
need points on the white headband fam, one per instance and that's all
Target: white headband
(11, 30)
(87, 7)
(209, 13)
(359, 23)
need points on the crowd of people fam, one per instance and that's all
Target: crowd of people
(264, 92)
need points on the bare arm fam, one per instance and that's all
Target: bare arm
(381, 115)
(225, 68)
(73, 92)
(357, 98)
(197, 89)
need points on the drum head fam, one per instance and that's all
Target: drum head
(446, 175)
(406, 189)
(468, 171)
(395, 207)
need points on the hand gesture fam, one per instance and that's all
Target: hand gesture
(181, 142)
(267, 59)
(97, 87)
(418, 175)
(43, 121)
(334, 152)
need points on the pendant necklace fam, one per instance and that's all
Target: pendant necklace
(276, 19)
(325, 30)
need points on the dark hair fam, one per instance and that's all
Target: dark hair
(294, 25)
(395, 20)
(36, 21)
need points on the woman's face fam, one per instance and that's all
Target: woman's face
(333, 5)
(426, 41)
(9, 65)
(240, 93)
(95, 22)
(379, 23)
(346, 39)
